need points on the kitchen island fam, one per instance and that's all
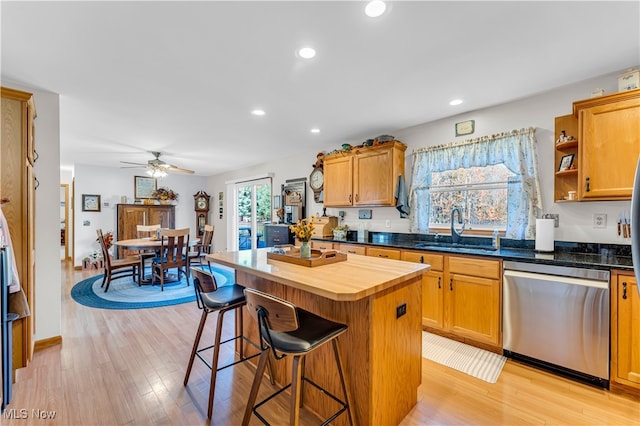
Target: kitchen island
(382, 349)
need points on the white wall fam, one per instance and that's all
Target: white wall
(47, 251)
(112, 183)
(537, 111)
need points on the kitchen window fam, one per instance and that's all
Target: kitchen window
(461, 175)
(480, 192)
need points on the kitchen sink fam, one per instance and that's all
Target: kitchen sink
(455, 246)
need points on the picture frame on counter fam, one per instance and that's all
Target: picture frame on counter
(566, 162)
(90, 203)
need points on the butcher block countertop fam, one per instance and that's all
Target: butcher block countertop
(353, 279)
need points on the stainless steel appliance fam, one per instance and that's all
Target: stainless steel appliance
(635, 224)
(557, 318)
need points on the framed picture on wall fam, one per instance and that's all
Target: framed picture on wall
(143, 187)
(90, 203)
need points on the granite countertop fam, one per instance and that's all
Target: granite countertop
(572, 254)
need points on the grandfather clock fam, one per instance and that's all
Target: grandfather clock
(202, 211)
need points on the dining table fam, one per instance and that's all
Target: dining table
(148, 243)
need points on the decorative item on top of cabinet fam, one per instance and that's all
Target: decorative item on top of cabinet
(625, 332)
(565, 181)
(609, 145)
(363, 176)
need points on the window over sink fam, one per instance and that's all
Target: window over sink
(480, 192)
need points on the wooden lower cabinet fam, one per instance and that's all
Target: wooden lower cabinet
(625, 330)
(432, 287)
(386, 253)
(321, 245)
(461, 297)
(132, 215)
(352, 249)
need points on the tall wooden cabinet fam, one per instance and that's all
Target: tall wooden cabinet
(131, 215)
(366, 176)
(17, 185)
(625, 330)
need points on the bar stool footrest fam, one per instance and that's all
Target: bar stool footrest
(242, 357)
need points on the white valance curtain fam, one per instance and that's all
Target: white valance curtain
(517, 150)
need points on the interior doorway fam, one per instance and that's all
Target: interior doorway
(65, 234)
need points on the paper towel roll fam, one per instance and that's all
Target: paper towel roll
(544, 234)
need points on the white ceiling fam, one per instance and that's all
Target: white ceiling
(183, 77)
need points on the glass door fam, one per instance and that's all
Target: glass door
(252, 211)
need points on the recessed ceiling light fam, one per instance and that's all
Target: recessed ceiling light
(257, 112)
(455, 102)
(375, 8)
(307, 52)
(315, 130)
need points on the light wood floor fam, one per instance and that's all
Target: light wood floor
(127, 367)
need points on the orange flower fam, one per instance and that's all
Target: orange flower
(303, 230)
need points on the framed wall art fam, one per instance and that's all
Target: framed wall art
(143, 187)
(90, 203)
(566, 162)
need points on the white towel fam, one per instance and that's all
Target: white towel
(402, 203)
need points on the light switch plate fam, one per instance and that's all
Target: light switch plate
(364, 214)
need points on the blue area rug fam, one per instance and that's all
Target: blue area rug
(124, 293)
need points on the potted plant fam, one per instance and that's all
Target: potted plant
(303, 230)
(340, 232)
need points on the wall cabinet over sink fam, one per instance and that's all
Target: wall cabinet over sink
(605, 151)
(365, 176)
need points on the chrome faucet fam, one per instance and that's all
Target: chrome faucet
(455, 235)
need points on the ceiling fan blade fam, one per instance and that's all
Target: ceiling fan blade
(131, 167)
(179, 169)
(137, 164)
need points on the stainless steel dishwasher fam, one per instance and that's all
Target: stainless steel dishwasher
(557, 318)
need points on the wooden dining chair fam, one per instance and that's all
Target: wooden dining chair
(173, 254)
(146, 256)
(197, 255)
(117, 268)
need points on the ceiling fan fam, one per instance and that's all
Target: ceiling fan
(157, 167)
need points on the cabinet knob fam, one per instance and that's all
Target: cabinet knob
(624, 290)
(421, 259)
(451, 284)
(439, 280)
(587, 184)
(350, 200)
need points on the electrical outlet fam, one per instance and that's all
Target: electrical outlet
(599, 220)
(401, 310)
(387, 223)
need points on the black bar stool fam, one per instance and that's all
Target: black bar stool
(289, 330)
(211, 298)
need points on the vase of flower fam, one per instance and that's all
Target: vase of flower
(303, 230)
(305, 249)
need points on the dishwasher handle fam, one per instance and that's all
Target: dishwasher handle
(557, 278)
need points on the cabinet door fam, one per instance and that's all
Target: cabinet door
(628, 329)
(162, 215)
(352, 249)
(372, 180)
(338, 181)
(473, 308)
(609, 149)
(433, 300)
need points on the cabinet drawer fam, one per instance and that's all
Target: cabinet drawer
(352, 249)
(474, 266)
(435, 260)
(383, 252)
(321, 245)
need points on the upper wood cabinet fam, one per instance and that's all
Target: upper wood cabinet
(609, 145)
(365, 176)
